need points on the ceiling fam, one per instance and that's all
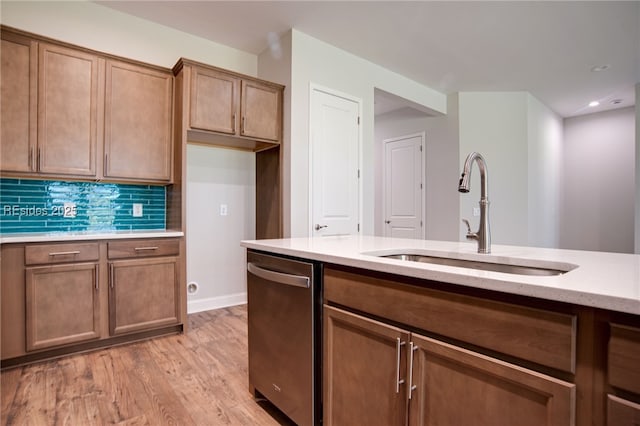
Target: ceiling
(546, 48)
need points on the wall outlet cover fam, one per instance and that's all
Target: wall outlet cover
(223, 210)
(137, 210)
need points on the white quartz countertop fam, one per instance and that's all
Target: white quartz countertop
(602, 280)
(84, 236)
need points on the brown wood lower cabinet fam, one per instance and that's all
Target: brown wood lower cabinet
(621, 412)
(363, 367)
(375, 373)
(143, 294)
(62, 305)
(61, 298)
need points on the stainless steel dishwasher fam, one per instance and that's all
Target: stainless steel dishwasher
(284, 334)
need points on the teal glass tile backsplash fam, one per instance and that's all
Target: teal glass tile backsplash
(40, 206)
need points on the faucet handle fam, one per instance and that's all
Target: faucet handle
(466, 222)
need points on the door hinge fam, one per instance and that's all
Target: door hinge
(358, 120)
(420, 148)
(420, 224)
(358, 227)
(420, 185)
(358, 173)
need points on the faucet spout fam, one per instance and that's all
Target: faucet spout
(483, 235)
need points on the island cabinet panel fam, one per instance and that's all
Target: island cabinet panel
(18, 88)
(624, 358)
(455, 386)
(623, 408)
(542, 337)
(377, 373)
(143, 294)
(62, 305)
(364, 371)
(621, 412)
(138, 141)
(69, 83)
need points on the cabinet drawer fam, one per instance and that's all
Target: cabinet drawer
(621, 412)
(624, 358)
(143, 248)
(60, 253)
(543, 337)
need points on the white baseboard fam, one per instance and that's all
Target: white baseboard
(194, 306)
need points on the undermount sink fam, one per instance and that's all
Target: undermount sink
(508, 268)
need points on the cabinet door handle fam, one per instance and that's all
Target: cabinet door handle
(233, 119)
(64, 253)
(31, 158)
(412, 349)
(111, 275)
(146, 248)
(399, 381)
(38, 161)
(242, 126)
(97, 275)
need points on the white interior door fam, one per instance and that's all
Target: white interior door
(403, 188)
(335, 138)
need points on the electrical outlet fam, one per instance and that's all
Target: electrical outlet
(69, 210)
(476, 211)
(223, 210)
(137, 210)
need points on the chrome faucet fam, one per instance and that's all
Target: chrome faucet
(483, 235)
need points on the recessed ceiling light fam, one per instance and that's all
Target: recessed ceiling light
(599, 68)
(594, 103)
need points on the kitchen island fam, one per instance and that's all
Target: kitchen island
(435, 344)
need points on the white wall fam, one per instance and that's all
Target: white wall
(441, 157)
(314, 61)
(544, 174)
(637, 129)
(520, 138)
(215, 260)
(215, 176)
(599, 182)
(97, 27)
(495, 125)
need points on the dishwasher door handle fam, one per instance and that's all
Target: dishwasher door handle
(279, 277)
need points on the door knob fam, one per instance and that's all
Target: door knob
(319, 227)
(387, 222)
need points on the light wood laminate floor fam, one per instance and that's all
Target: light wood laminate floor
(197, 378)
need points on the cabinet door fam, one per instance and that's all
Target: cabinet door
(364, 371)
(261, 111)
(143, 294)
(62, 305)
(18, 82)
(621, 412)
(458, 387)
(137, 123)
(214, 101)
(67, 111)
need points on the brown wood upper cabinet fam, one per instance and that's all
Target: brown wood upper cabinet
(228, 109)
(68, 104)
(50, 107)
(70, 112)
(18, 87)
(138, 103)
